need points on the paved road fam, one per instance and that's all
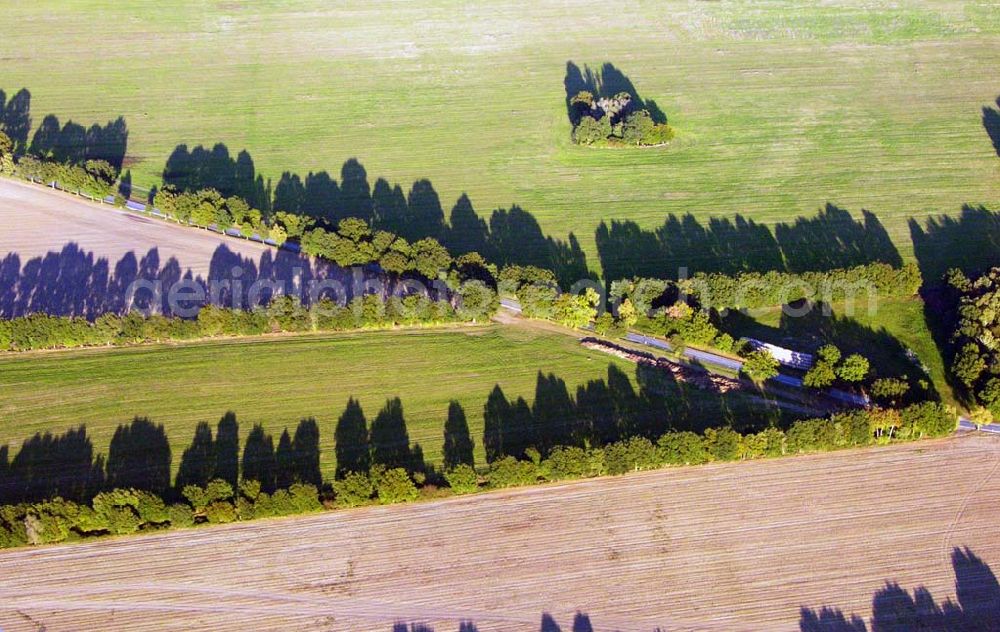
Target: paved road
(966, 424)
(39, 221)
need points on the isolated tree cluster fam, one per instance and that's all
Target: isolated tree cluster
(615, 121)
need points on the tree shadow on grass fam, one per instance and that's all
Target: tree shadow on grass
(511, 236)
(50, 465)
(139, 457)
(259, 460)
(70, 143)
(607, 410)
(75, 144)
(458, 444)
(682, 245)
(604, 82)
(970, 242)
(991, 123)
(15, 118)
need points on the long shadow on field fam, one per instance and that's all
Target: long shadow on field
(895, 609)
(214, 168)
(830, 239)
(581, 623)
(991, 123)
(50, 465)
(139, 457)
(295, 460)
(209, 457)
(970, 242)
(75, 282)
(74, 144)
(606, 411)
(511, 236)
(15, 118)
(69, 143)
(458, 444)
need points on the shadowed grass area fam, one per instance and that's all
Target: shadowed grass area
(278, 381)
(882, 335)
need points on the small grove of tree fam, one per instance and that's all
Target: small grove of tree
(976, 337)
(615, 121)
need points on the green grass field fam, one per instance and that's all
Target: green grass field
(780, 106)
(277, 381)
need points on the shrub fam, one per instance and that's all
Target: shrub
(395, 486)
(636, 453)
(304, 498)
(180, 515)
(509, 472)
(723, 444)
(568, 462)
(462, 479)
(682, 448)
(220, 512)
(354, 489)
(760, 365)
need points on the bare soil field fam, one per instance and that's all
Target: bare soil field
(39, 221)
(719, 547)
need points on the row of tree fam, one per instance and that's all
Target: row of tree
(94, 177)
(51, 494)
(976, 341)
(282, 314)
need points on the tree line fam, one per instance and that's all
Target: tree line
(56, 488)
(975, 340)
(282, 314)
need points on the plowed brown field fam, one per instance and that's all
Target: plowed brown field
(719, 547)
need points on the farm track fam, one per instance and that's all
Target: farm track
(719, 547)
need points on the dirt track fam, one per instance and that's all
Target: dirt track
(38, 221)
(722, 547)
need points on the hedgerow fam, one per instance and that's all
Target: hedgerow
(282, 314)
